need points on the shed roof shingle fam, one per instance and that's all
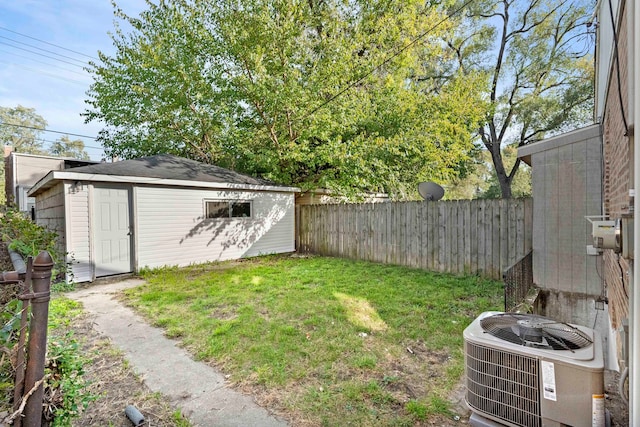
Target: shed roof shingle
(166, 166)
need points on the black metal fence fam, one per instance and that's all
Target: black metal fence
(518, 281)
(24, 312)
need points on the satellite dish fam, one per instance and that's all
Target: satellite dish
(430, 191)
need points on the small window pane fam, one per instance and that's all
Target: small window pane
(217, 210)
(241, 209)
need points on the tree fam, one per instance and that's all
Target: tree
(520, 183)
(21, 127)
(314, 93)
(479, 182)
(540, 75)
(65, 147)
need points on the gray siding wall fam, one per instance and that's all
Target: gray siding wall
(50, 212)
(170, 228)
(78, 231)
(566, 187)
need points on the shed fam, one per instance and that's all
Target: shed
(115, 218)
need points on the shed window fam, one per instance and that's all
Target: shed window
(228, 209)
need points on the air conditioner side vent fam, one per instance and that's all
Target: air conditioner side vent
(503, 385)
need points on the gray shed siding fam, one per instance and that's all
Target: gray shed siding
(566, 187)
(170, 228)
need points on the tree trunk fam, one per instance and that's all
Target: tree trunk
(501, 173)
(505, 185)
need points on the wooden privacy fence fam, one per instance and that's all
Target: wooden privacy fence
(481, 237)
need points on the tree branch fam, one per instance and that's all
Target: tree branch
(25, 399)
(507, 121)
(501, 50)
(270, 127)
(514, 169)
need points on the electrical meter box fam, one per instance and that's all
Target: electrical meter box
(606, 235)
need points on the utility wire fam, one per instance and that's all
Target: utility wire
(48, 130)
(50, 44)
(55, 142)
(44, 50)
(46, 56)
(389, 58)
(34, 70)
(43, 62)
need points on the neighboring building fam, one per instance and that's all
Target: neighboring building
(22, 171)
(115, 218)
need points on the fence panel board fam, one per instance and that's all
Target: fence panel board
(481, 237)
(443, 226)
(431, 245)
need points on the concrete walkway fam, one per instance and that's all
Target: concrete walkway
(198, 390)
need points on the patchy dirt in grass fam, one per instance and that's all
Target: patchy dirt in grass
(116, 385)
(401, 378)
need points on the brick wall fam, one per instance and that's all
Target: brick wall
(618, 177)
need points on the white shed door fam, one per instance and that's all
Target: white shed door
(112, 235)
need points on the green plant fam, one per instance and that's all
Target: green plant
(180, 420)
(417, 409)
(28, 238)
(10, 314)
(66, 393)
(61, 287)
(25, 236)
(66, 388)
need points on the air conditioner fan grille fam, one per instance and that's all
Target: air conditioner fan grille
(503, 385)
(535, 331)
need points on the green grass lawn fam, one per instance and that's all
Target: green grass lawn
(326, 341)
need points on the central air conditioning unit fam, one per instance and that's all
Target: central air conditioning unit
(531, 371)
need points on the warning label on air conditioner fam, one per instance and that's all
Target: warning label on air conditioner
(597, 412)
(548, 380)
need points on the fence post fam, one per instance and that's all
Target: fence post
(20, 356)
(37, 347)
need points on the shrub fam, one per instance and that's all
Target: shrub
(28, 238)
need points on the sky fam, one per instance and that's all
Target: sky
(36, 74)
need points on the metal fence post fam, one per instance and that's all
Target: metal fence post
(20, 356)
(37, 347)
